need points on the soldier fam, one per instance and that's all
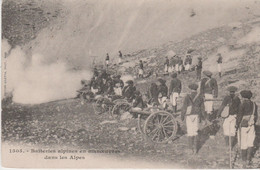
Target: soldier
(246, 120)
(180, 65)
(107, 60)
(209, 88)
(174, 90)
(187, 63)
(229, 109)
(219, 61)
(199, 68)
(94, 84)
(166, 65)
(192, 108)
(128, 90)
(141, 69)
(138, 100)
(118, 85)
(120, 57)
(163, 92)
(153, 94)
(176, 63)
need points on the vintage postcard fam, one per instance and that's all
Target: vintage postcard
(130, 84)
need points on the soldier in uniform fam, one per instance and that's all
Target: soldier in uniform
(246, 120)
(118, 85)
(219, 61)
(153, 94)
(199, 68)
(229, 109)
(107, 60)
(138, 100)
(174, 90)
(120, 57)
(192, 108)
(128, 90)
(166, 65)
(141, 69)
(163, 92)
(209, 88)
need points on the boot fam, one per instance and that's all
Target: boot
(191, 143)
(249, 154)
(233, 141)
(244, 155)
(196, 144)
(227, 140)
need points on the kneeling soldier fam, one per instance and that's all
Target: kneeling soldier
(192, 108)
(228, 110)
(246, 119)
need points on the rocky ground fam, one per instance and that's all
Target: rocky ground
(71, 124)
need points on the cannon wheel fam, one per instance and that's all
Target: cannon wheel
(99, 106)
(160, 127)
(119, 109)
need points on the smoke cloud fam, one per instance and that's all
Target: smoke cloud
(32, 80)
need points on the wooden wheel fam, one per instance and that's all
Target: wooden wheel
(160, 127)
(119, 109)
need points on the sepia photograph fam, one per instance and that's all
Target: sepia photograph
(158, 84)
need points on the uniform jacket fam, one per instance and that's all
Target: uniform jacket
(219, 60)
(128, 92)
(141, 66)
(175, 86)
(234, 103)
(245, 109)
(138, 102)
(163, 89)
(197, 104)
(199, 65)
(167, 62)
(209, 86)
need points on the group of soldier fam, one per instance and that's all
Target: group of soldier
(239, 112)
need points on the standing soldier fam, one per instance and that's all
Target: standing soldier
(209, 88)
(107, 60)
(180, 65)
(192, 109)
(153, 94)
(163, 92)
(176, 63)
(187, 63)
(141, 69)
(199, 68)
(118, 85)
(166, 65)
(246, 119)
(219, 61)
(120, 57)
(228, 110)
(174, 90)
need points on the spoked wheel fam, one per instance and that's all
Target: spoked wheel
(160, 127)
(119, 109)
(101, 106)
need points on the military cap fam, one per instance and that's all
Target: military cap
(174, 75)
(193, 86)
(232, 88)
(207, 73)
(246, 94)
(161, 80)
(129, 82)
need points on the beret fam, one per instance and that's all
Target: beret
(174, 75)
(232, 89)
(246, 94)
(193, 86)
(207, 73)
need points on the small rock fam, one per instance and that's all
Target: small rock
(123, 128)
